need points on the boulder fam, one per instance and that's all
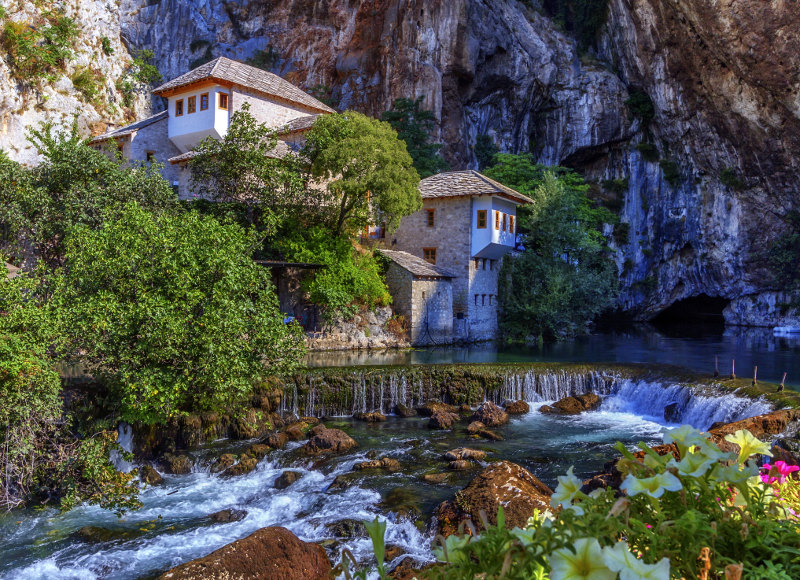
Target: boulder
(347, 529)
(149, 475)
(573, 405)
(442, 420)
(393, 552)
(223, 462)
(227, 516)
(277, 440)
(274, 553)
(672, 413)
(259, 450)
(460, 465)
(431, 407)
(402, 411)
(326, 440)
(295, 433)
(517, 407)
(490, 415)
(388, 463)
(478, 429)
(177, 464)
(286, 479)
(761, 426)
(503, 483)
(372, 417)
(435, 477)
(464, 409)
(465, 453)
(246, 465)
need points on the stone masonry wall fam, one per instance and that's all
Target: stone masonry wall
(432, 311)
(154, 137)
(271, 112)
(482, 302)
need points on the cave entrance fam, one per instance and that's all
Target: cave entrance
(697, 312)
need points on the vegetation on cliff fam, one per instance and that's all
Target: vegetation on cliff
(564, 276)
(414, 125)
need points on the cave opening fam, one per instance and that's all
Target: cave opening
(701, 311)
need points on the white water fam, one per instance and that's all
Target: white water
(125, 442)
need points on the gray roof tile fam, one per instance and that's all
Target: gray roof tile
(132, 128)
(238, 73)
(460, 183)
(417, 265)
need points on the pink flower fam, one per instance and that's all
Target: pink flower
(780, 468)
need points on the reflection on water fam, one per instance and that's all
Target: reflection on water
(693, 348)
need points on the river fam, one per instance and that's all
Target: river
(173, 526)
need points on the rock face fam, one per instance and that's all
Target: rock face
(274, 553)
(503, 483)
(722, 80)
(326, 440)
(763, 427)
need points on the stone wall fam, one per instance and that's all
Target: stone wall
(155, 138)
(482, 301)
(427, 304)
(266, 110)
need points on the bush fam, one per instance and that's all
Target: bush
(784, 256)
(641, 106)
(675, 515)
(139, 76)
(172, 314)
(584, 18)
(349, 280)
(41, 50)
(265, 59)
(730, 179)
(485, 149)
(672, 174)
(105, 44)
(88, 82)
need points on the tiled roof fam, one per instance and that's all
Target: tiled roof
(459, 183)
(416, 265)
(132, 128)
(299, 124)
(280, 150)
(238, 73)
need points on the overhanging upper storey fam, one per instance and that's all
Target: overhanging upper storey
(493, 209)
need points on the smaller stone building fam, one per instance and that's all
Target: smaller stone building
(423, 294)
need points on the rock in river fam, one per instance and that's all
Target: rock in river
(490, 415)
(286, 479)
(516, 407)
(465, 453)
(573, 405)
(326, 440)
(149, 475)
(503, 483)
(274, 553)
(442, 420)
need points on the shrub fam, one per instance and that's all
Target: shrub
(485, 149)
(584, 18)
(140, 75)
(730, 179)
(39, 51)
(88, 82)
(622, 232)
(648, 151)
(671, 172)
(105, 44)
(641, 106)
(265, 59)
(675, 515)
(172, 313)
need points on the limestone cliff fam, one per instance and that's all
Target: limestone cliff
(82, 88)
(702, 185)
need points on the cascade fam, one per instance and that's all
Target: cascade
(125, 441)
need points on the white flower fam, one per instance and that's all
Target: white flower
(684, 437)
(585, 564)
(693, 464)
(653, 486)
(568, 487)
(734, 474)
(620, 559)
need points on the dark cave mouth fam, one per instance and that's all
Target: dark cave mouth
(701, 310)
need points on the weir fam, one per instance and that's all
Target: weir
(640, 390)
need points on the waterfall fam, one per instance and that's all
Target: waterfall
(125, 441)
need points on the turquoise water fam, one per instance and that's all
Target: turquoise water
(694, 349)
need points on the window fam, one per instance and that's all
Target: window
(150, 156)
(429, 254)
(191, 105)
(179, 108)
(481, 219)
(431, 217)
(204, 101)
(497, 220)
(511, 224)
(491, 264)
(503, 223)
(483, 299)
(490, 299)
(476, 300)
(223, 101)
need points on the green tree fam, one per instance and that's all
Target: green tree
(74, 184)
(172, 313)
(249, 166)
(485, 150)
(349, 280)
(564, 277)
(784, 256)
(414, 125)
(368, 174)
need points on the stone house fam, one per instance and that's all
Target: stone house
(423, 293)
(467, 224)
(200, 104)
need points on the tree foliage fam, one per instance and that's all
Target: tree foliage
(485, 150)
(368, 174)
(172, 313)
(564, 276)
(784, 257)
(414, 126)
(74, 184)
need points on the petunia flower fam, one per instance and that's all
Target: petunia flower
(784, 470)
(620, 559)
(569, 486)
(693, 464)
(586, 563)
(684, 437)
(653, 486)
(748, 444)
(734, 474)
